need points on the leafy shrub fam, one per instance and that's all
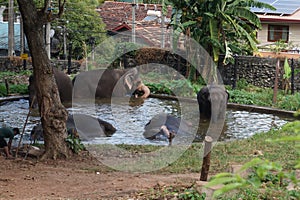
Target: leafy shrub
(191, 194)
(74, 143)
(265, 175)
(289, 102)
(13, 89)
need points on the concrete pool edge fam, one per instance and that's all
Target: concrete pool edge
(236, 106)
(250, 108)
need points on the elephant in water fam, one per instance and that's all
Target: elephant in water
(64, 85)
(107, 83)
(212, 102)
(85, 126)
(166, 127)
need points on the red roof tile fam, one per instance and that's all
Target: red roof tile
(116, 14)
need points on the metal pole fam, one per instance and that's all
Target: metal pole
(293, 77)
(22, 43)
(69, 58)
(48, 39)
(65, 43)
(133, 20)
(11, 34)
(163, 25)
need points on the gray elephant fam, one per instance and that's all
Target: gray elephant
(166, 127)
(84, 126)
(212, 100)
(64, 85)
(107, 83)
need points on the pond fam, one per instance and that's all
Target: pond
(130, 120)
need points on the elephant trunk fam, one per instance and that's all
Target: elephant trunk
(142, 91)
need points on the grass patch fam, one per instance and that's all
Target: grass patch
(223, 154)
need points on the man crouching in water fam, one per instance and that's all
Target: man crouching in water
(7, 133)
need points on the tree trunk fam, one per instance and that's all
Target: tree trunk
(53, 114)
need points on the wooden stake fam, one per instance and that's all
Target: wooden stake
(30, 108)
(206, 159)
(6, 86)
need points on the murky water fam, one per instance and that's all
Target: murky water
(130, 120)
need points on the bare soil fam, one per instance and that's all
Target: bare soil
(80, 177)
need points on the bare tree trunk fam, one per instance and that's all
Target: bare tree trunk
(53, 114)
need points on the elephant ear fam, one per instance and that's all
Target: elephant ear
(131, 79)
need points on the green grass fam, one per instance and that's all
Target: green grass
(226, 153)
(13, 88)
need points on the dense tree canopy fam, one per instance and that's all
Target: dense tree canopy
(82, 23)
(220, 26)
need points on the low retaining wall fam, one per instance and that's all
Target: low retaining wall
(258, 71)
(16, 64)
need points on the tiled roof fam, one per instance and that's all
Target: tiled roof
(119, 15)
(115, 13)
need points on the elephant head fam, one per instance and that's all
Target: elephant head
(64, 85)
(108, 83)
(164, 126)
(212, 102)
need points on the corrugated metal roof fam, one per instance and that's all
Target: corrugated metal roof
(4, 35)
(283, 7)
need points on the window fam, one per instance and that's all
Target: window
(278, 32)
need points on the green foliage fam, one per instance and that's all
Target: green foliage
(191, 194)
(179, 87)
(252, 95)
(13, 88)
(264, 174)
(74, 143)
(241, 84)
(18, 89)
(82, 23)
(219, 26)
(289, 102)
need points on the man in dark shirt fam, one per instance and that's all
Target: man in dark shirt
(10, 134)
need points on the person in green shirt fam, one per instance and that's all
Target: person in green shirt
(10, 134)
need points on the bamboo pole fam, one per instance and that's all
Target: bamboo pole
(22, 134)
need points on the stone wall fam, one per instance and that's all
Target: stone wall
(257, 71)
(16, 64)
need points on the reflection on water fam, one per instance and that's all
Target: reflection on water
(130, 120)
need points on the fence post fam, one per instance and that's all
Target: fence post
(292, 77)
(206, 159)
(234, 73)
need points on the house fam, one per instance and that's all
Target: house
(280, 24)
(148, 27)
(4, 35)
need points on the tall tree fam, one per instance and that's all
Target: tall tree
(220, 26)
(53, 114)
(83, 24)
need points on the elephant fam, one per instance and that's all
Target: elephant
(165, 126)
(84, 126)
(108, 83)
(64, 85)
(212, 101)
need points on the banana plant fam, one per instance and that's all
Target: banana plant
(220, 26)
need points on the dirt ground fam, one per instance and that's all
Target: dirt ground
(79, 178)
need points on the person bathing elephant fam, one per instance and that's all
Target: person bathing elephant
(84, 126)
(107, 83)
(64, 85)
(212, 101)
(166, 127)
